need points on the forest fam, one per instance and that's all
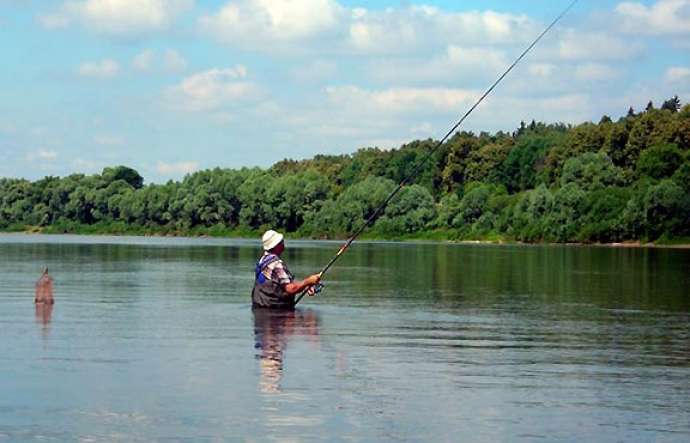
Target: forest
(611, 181)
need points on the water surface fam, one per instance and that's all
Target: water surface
(153, 339)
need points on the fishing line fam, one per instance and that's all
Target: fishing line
(421, 163)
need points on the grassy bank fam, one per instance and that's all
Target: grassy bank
(438, 235)
(118, 228)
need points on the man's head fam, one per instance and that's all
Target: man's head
(273, 242)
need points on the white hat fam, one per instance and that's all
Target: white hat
(271, 239)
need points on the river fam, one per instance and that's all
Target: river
(153, 339)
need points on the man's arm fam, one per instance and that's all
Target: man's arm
(296, 287)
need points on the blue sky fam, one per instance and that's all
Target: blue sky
(173, 86)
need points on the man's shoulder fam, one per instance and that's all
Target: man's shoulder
(268, 259)
(277, 263)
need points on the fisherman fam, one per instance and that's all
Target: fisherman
(274, 285)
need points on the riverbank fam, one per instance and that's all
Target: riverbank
(448, 236)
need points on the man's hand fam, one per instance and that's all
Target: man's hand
(312, 280)
(299, 286)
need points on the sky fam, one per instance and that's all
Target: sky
(169, 87)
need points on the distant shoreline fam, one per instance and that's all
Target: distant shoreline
(241, 235)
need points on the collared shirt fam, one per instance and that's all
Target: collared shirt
(277, 272)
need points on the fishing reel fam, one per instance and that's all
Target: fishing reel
(316, 289)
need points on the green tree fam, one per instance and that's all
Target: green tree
(562, 221)
(521, 168)
(654, 127)
(459, 148)
(601, 219)
(672, 104)
(666, 207)
(591, 171)
(125, 173)
(659, 161)
(410, 211)
(616, 141)
(529, 214)
(682, 176)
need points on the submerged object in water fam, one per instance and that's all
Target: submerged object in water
(44, 289)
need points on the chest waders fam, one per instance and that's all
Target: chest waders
(267, 293)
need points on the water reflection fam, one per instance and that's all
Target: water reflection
(44, 313)
(272, 331)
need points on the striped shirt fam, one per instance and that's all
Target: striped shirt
(277, 271)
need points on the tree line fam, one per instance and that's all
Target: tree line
(611, 181)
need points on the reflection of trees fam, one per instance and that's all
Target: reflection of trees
(483, 275)
(272, 330)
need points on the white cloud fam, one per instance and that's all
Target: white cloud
(593, 46)
(595, 71)
(483, 59)
(677, 74)
(458, 65)
(213, 89)
(663, 17)
(266, 24)
(171, 61)
(41, 155)
(381, 36)
(401, 100)
(541, 69)
(176, 168)
(143, 61)
(314, 70)
(423, 128)
(399, 30)
(271, 21)
(119, 18)
(505, 111)
(104, 69)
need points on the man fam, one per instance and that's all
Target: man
(274, 285)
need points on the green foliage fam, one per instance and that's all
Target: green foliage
(124, 173)
(672, 104)
(530, 214)
(520, 168)
(478, 212)
(459, 148)
(591, 171)
(562, 219)
(682, 177)
(359, 202)
(666, 207)
(611, 181)
(485, 163)
(654, 127)
(601, 215)
(409, 212)
(659, 161)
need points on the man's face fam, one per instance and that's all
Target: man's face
(280, 248)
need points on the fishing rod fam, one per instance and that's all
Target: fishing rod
(438, 144)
